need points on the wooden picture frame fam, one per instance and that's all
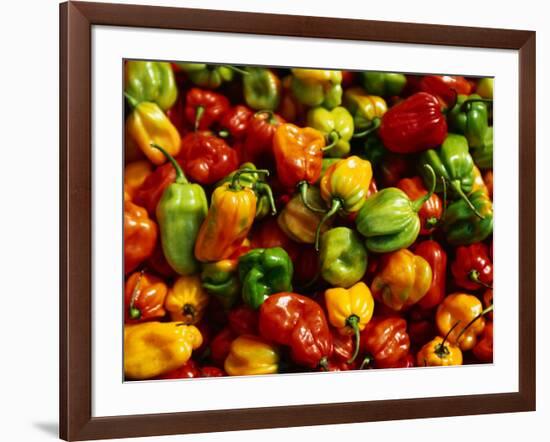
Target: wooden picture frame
(76, 20)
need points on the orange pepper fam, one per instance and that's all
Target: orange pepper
(488, 178)
(144, 297)
(437, 353)
(140, 235)
(135, 173)
(479, 184)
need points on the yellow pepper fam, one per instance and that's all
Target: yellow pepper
(403, 280)
(229, 220)
(367, 110)
(187, 300)
(148, 124)
(350, 310)
(438, 353)
(250, 355)
(317, 87)
(467, 311)
(155, 348)
(479, 184)
(135, 174)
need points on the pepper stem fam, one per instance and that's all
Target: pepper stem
(266, 190)
(441, 350)
(180, 176)
(199, 112)
(270, 115)
(333, 138)
(353, 322)
(366, 362)
(189, 310)
(303, 188)
(336, 205)
(375, 124)
(323, 363)
(134, 312)
(474, 277)
(223, 133)
(236, 69)
(417, 204)
(484, 312)
(456, 187)
(131, 100)
(236, 185)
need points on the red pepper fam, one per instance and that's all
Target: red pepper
(257, 147)
(406, 361)
(432, 252)
(188, 370)
(445, 87)
(149, 193)
(472, 267)
(298, 322)
(343, 346)
(488, 301)
(176, 114)
(431, 211)
(421, 331)
(414, 125)
(206, 158)
(203, 108)
(157, 262)
(220, 346)
(235, 122)
(483, 350)
(243, 320)
(393, 168)
(386, 339)
(211, 372)
(268, 234)
(306, 265)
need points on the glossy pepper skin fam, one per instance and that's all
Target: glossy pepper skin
(431, 211)
(155, 348)
(140, 235)
(250, 355)
(350, 310)
(235, 122)
(263, 272)
(414, 125)
(203, 108)
(462, 226)
(148, 124)
(367, 110)
(243, 320)
(472, 268)
(336, 125)
(298, 322)
(389, 219)
(342, 256)
(268, 234)
(149, 193)
(257, 147)
(470, 119)
(180, 212)
(144, 296)
(152, 81)
(445, 87)
(135, 174)
(386, 339)
(298, 154)
(462, 308)
(207, 76)
(187, 300)
(315, 87)
(385, 84)
(206, 158)
(438, 353)
(228, 222)
(403, 279)
(300, 223)
(221, 280)
(261, 89)
(436, 257)
(485, 87)
(483, 351)
(483, 153)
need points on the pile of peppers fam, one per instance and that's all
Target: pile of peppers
(298, 220)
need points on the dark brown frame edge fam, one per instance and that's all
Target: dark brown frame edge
(76, 20)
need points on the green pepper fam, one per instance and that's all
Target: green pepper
(453, 164)
(483, 154)
(221, 280)
(263, 272)
(389, 219)
(462, 227)
(265, 203)
(337, 125)
(316, 87)
(469, 117)
(180, 213)
(373, 150)
(343, 257)
(207, 76)
(261, 89)
(152, 81)
(384, 84)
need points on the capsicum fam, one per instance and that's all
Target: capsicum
(385, 84)
(203, 108)
(483, 153)
(436, 257)
(445, 87)
(144, 296)
(150, 192)
(235, 122)
(258, 142)
(469, 117)
(462, 226)
(250, 355)
(367, 110)
(208, 76)
(221, 280)
(187, 300)
(135, 174)
(316, 87)
(152, 81)
(438, 353)
(336, 125)
(261, 88)
(472, 268)
(483, 350)
(431, 211)
(263, 272)
(386, 340)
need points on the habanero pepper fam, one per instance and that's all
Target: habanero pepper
(208, 76)
(436, 257)
(187, 371)
(243, 320)
(150, 192)
(187, 300)
(140, 235)
(472, 268)
(235, 122)
(250, 355)
(386, 340)
(414, 125)
(367, 110)
(268, 234)
(385, 84)
(144, 296)
(221, 280)
(298, 322)
(470, 117)
(257, 147)
(152, 81)
(204, 108)
(431, 211)
(445, 87)
(437, 353)
(336, 125)
(135, 174)
(261, 88)
(483, 350)
(316, 87)
(220, 345)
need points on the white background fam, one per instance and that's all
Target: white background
(29, 222)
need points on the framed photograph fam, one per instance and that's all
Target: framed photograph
(275, 220)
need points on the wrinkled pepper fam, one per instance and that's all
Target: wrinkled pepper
(431, 211)
(152, 81)
(140, 235)
(483, 153)
(235, 122)
(386, 340)
(414, 125)
(208, 76)
(144, 296)
(439, 353)
(257, 147)
(187, 300)
(402, 280)
(180, 212)
(263, 272)
(462, 227)
(261, 89)
(436, 257)
(367, 110)
(204, 108)
(385, 84)
(445, 87)
(336, 125)
(342, 257)
(315, 87)
(268, 234)
(298, 322)
(150, 192)
(350, 310)
(472, 268)
(250, 355)
(155, 348)
(470, 117)
(221, 280)
(135, 174)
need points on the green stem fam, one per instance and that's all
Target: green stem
(336, 205)
(458, 189)
(474, 277)
(484, 312)
(353, 322)
(189, 310)
(223, 133)
(366, 362)
(375, 124)
(134, 312)
(199, 112)
(236, 69)
(180, 176)
(334, 138)
(441, 350)
(266, 189)
(235, 184)
(303, 188)
(417, 204)
(270, 115)
(323, 363)
(131, 100)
